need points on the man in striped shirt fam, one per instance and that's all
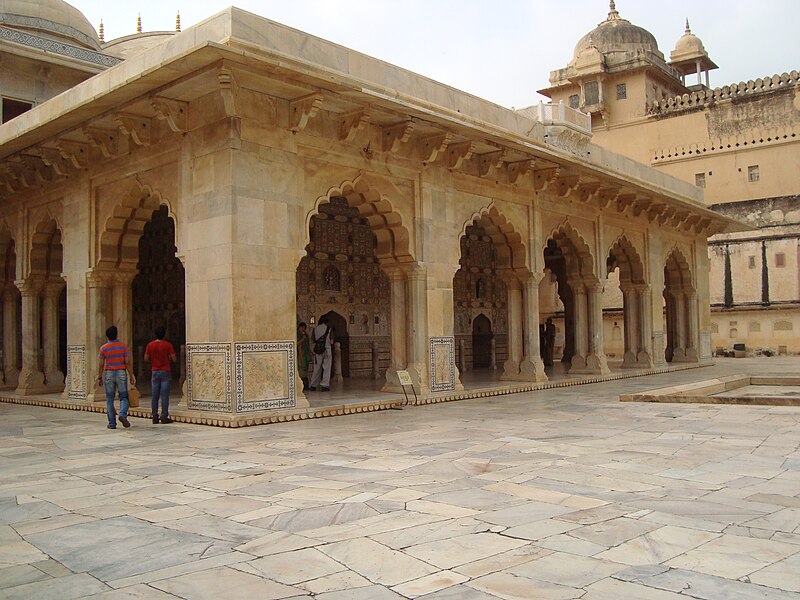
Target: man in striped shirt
(114, 370)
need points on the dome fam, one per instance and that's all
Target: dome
(616, 34)
(688, 45)
(51, 18)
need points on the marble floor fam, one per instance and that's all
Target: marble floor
(560, 493)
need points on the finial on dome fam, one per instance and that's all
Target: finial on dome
(178, 21)
(612, 11)
(687, 26)
(101, 33)
(139, 23)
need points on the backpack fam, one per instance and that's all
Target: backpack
(320, 344)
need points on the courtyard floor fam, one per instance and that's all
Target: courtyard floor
(558, 493)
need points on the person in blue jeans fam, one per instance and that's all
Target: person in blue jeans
(160, 353)
(114, 372)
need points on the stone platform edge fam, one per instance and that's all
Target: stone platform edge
(702, 392)
(223, 420)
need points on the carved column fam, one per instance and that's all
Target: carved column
(10, 336)
(679, 325)
(596, 361)
(122, 294)
(100, 305)
(632, 325)
(580, 311)
(645, 302)
(462, 352)
(691, 312)
(31, 378)
(511, 367)
(532, 367)
(417, 326)
(336, 363)
(398, 300)
(493, 354)
(53, 376)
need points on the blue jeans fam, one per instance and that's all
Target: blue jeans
(160, 383)
(113, 381)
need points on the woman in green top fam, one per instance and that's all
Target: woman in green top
(304, 357)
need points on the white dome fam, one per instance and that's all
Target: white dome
(52, 18)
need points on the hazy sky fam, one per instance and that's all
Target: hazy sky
(503, 50)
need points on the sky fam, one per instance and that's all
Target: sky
(502, 51)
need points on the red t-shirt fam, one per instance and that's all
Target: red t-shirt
(159, 352)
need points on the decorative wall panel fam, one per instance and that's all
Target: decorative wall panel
(76, 372)
(265, 376)
(209, 376)
(443, 364)
(659, 359)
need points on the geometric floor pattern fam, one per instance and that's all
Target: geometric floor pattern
(560, 493)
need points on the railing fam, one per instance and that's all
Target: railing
(556, 114)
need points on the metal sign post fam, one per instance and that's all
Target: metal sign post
(405, 379)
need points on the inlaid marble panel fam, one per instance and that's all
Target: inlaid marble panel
(265, 376)
(209, 376)
(705, 345)
(76, 372)
(442, 364)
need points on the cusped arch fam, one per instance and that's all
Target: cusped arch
(46, 248)
(510, 249)
(391, 235)
(119, 239)
(677, 271)
(623, 254)
(577, 253)
(8, 254)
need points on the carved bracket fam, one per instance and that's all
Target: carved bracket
(491, 161)
(566, 183)
(136, 127)
(519, 169)
(625, 201)
(174, 112)
(395, 135)
(302, 110)
(52, 158)
(458, 153)
(665, 215)
(434, 145)
(105, 140)
(75, 152)
(543, 177)
(228, 89)
(352, 124)
(606, 195)
(587, 190)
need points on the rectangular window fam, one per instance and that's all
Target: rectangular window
(591, 93)
(700, 180)
(752, 173)
(574, 101)
(780, 260)
(14, 108)
(751, 262)
(622, 91)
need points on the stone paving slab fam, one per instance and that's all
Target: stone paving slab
(557, 493)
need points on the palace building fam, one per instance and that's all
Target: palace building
(739, 143)
(232, 179)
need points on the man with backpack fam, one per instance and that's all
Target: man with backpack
(322, 336)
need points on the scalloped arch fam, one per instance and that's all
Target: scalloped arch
(8, 253)
(628, 259)
(47, 250)
(510, 249)
(119, 239)
(392, 237)
(577, 253)
(677, 272)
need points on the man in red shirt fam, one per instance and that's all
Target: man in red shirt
(114, 371)
(159, 353)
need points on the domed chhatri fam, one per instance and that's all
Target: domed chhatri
(616, 34)
(690, 56)
(50, 18)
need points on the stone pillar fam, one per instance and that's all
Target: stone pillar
(100, 304)
(631, 323)
(376, 367)
(54, 378)
(31, 378)
(10, 336)
(596, 361)
(417, 328)
(493, 354)
(679, 324)
(645, 354)
(462, 351)
(398, 300)
(581, 326)
(336, 363)
(122, 294)
(532, 367)
(511, 368)
(691, 311)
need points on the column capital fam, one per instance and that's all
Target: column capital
(30, 286)
(416, 272)
(99, 278)
(510, 278)
(394, 271)
(123, 277)
(531, 277)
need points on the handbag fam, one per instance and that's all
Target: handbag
(320, 344)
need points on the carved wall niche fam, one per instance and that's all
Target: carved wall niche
(340, 273)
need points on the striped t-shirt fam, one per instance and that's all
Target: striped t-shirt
(114, 353)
